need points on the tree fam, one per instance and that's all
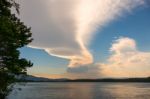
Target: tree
(13, 35)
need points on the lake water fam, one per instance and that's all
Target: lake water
(81, 90)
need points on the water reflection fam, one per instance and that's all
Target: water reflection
(109, 91)
(83, 91)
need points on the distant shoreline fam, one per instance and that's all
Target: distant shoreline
(30, 78)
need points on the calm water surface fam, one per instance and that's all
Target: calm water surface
(81, 90)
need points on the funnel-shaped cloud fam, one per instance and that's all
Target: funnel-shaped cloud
(64, 28)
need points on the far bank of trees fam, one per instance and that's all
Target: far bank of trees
(13, 35)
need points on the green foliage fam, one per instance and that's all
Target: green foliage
(13, 35)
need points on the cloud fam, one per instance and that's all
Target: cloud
(88, 71)
(64, 28)
(126, 60)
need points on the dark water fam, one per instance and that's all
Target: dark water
(81, 90)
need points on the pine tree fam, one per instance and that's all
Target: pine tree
(13, 35)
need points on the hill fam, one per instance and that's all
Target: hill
(30, 78)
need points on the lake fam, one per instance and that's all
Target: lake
(80, 90)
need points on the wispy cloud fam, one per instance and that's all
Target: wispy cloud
(64, 28)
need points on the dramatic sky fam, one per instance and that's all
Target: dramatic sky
(88, 38)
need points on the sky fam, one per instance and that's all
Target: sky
(87, 38)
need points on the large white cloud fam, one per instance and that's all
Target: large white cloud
(64, 28)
